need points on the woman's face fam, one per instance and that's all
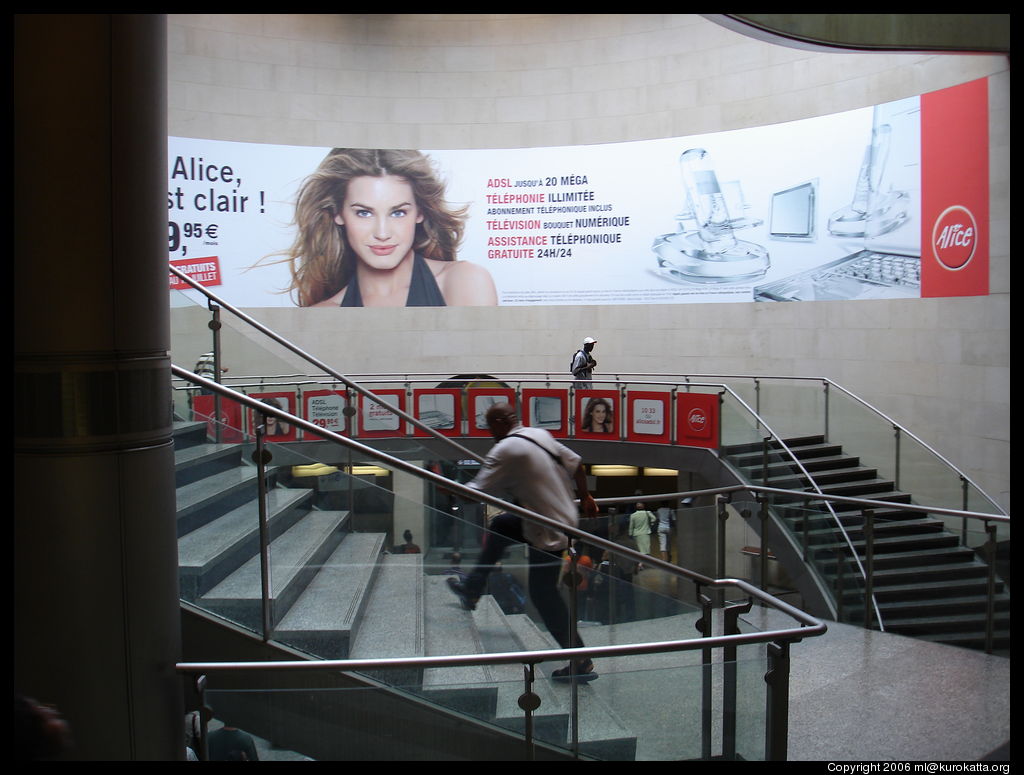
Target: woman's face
(599, 414)
(380, 217)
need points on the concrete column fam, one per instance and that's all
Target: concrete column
(97, 627)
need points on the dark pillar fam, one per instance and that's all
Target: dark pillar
(96, 619)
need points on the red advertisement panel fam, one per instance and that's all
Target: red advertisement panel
(376, 420)
(648, 416)
(325, 409)
(230, 417)
(697, 420)
(205, 271)
(598, 414)
(479, 401)
(276, 430)
(438, 408)
(547, 408)
(954, 191)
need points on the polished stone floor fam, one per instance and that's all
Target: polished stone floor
(858, 695)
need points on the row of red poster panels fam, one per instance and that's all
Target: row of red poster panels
(636, 415)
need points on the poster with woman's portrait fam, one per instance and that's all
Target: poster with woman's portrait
(596, 415)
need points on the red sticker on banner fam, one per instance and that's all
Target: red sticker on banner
(205, 271)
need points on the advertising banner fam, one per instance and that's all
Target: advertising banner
(229, 418)
(831, 207)
(480, 400)
(376, 420)
(697, 420)
(275, 429)
(648, 416)
(547, 408)
(438, 408)
(597, 415)
(325, 409)
(954, 206)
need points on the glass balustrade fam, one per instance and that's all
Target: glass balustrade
(340, 585)
(616, 721)
(708, 707)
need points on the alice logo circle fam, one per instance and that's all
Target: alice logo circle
(955, 237)
(697, 420)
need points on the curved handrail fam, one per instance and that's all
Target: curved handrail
(915, 437)
(478, 495)
(817, 491)
(466, 453)
(550, 376)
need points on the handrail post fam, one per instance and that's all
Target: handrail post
(869, 565)
(990, 603)
(757, 402)
(215, 326)
(764, 460)
(840, 567)
(261, 456)
(729, 678)
(574, 709)
(719, 449)
(205, 714)
(896, 452)
(776, 734)
(763, 516)
(964, 487)
(805, 532)
(529, 701)
(826, 417)
(703, 626)
(723, 515)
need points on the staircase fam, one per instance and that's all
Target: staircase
(926, 584)
(336, 594)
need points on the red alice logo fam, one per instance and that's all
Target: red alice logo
(954, 237)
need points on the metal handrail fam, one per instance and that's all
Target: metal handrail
(796, 461)
(550, 376)
(905, 431)
(521, 657)
(464, 453)
(853, 501)
(478, 495)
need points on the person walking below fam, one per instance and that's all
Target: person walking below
(641, 522)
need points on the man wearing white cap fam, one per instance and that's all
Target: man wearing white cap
(583, 364)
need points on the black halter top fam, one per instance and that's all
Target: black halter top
(423, 290)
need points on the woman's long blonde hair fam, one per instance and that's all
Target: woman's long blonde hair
(321, 260)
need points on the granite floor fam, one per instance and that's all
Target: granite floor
(858, 695)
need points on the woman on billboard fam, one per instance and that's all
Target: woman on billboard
(598, 417)
(374, 231)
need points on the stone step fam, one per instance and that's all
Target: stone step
(208, 554)
(294, 559)
(822, 552)
(203, 501)
(497, 635)
(333, 608)
(449, 629)
(393, 623)
(601, 732)
(201, 460)
(188, 433)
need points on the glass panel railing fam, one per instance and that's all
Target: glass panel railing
(192, 338)
(477, 713)
(795, 408)
(341, 585)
